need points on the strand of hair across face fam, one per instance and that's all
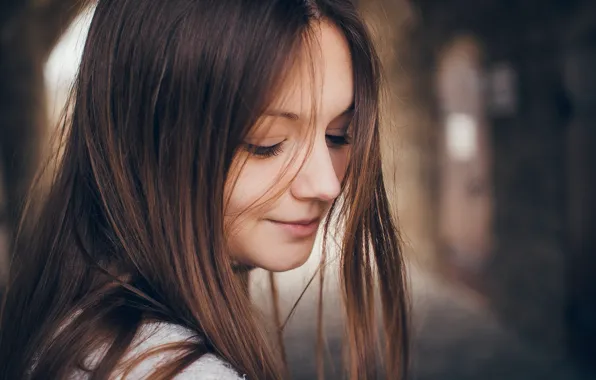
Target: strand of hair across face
(277, 320)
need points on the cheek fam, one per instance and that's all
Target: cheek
(252, 183)
(241, 191)
(340, 159)
(247, 236)
(247, 185)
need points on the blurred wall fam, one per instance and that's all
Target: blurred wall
(28, 32)
(536, 57)
(407, 135)
(579, 76)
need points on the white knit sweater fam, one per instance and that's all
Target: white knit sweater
(153, 335)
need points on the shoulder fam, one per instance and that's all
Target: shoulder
(154, 335)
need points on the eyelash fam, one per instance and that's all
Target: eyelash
(273, 150)
(338, 141)
(263, 151)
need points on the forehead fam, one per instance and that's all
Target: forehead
(321, 78)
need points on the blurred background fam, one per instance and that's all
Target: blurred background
(489, 148)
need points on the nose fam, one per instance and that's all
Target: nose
(317, 179)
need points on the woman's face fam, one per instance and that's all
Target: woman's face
(289, 172)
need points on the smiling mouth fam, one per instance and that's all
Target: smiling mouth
(303, 222)
(299, 228)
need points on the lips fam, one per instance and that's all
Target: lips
(298, 228)
(303, 222)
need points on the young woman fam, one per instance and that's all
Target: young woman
(205, 138)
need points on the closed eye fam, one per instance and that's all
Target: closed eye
(337, 141)
(263, 151)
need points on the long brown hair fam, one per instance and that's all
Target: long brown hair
(132, 227)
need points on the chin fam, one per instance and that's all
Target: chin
(275, 256)
(286, 262)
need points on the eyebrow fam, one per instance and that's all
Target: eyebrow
(294, 116)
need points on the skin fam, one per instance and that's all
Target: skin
(278, 195)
